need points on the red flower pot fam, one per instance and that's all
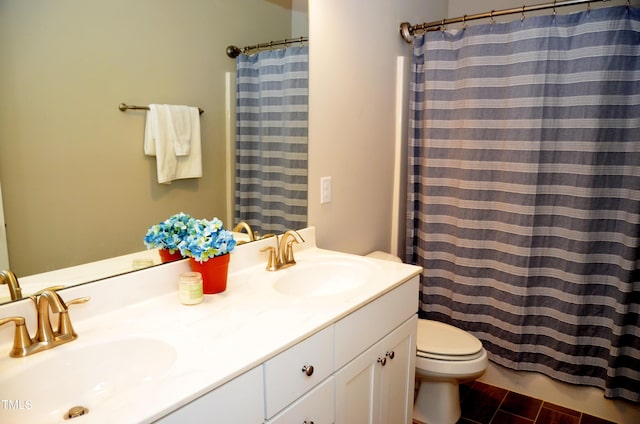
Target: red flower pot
(165, 256)
(214, 273)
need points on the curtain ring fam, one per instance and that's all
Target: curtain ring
(554, 8)
(443, 27)
(491, 20)
(523, 8)
(588, 7)
(464, 22)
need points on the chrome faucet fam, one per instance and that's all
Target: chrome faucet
(281, 256)
(9, 278)
(46, 337)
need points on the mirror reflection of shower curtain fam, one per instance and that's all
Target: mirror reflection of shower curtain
(271, 139)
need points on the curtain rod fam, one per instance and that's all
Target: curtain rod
(407, 31)
(233, 51)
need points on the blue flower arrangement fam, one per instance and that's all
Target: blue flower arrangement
(206, 239)
(169, 233)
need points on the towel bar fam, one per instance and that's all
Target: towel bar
(123, 107)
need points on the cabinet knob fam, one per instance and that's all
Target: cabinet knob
(382, 361)
(308, 370)
(391, 354)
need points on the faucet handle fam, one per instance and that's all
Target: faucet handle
(78, 301)
(272, 261)
(65, 328)
(21, 338)
(288, 253)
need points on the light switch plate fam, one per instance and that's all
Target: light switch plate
(325, 189)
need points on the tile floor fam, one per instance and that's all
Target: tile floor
(485, 404)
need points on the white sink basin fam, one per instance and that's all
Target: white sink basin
(325, 276)
(46, 385)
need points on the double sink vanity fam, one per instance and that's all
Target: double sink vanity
(330, 339)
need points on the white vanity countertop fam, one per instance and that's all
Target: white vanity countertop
(215, 341)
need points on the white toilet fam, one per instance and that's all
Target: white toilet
(446, 356)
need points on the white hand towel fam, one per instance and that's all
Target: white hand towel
(161, 140)
(181, 122)
(191, 166)
(150, 132)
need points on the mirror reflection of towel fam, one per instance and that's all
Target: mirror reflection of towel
(172, 135)
(181, 124)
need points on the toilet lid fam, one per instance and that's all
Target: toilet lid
(443, 339)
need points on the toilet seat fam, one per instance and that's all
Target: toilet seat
(437, 340)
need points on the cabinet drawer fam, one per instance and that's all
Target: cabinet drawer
(285, 379)
(316, 407)
(360, 330)
(239, 401)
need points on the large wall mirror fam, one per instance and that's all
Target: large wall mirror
(76, 184)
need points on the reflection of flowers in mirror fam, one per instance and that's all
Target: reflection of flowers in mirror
(169, 233)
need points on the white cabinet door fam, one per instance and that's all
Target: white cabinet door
(398, 377)
(240, 401)
(315, 407)
(356, 389)
(374, 388)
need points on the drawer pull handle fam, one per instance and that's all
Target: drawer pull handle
(382, 361)
(391, 354)
(307, 422)
(308, 370)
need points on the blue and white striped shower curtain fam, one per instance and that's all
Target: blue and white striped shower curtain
(271, 139)
(524, 191)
